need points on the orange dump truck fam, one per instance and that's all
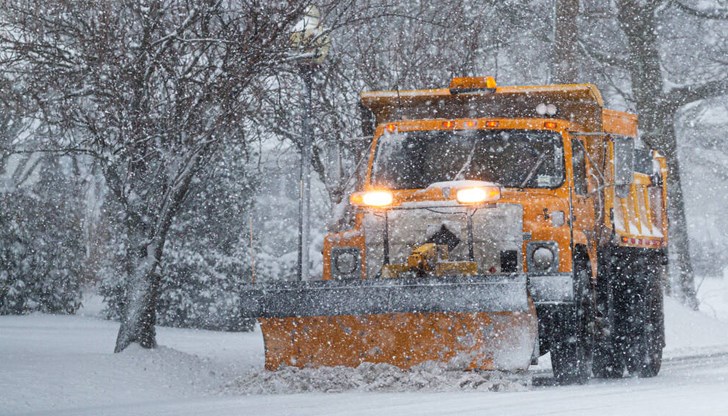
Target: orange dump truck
(494, 225)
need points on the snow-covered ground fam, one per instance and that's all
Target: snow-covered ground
(713, 296)
(63, 365)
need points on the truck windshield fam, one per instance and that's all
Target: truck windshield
(511, 158)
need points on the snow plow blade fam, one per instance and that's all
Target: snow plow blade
(475, 322)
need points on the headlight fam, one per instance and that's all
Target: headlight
(543, 258)
(345, 263)
(381, 198)
(477, 195)
(377, 198)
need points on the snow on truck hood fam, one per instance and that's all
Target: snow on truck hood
(461, 184)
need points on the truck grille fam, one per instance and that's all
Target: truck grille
(497, 235)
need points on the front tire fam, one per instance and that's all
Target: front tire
(571, 352)
(608, 362)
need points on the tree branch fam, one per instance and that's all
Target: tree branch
(603, 58)
(713, 14)
(689, 93)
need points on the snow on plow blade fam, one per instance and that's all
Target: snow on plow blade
(477, 322)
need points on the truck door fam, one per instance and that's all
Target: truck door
(582, 201)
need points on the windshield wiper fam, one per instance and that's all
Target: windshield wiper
(533, 170)
(467, 163)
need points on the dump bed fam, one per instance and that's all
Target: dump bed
(580, 104)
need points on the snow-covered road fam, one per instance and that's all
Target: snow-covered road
(63, 365)
(693, 386)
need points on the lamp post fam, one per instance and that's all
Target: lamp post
(311, 43)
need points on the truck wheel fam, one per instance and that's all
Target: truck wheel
(571, 353)
(629, 316)
(607, 361)
(639, 315)
(654, 329)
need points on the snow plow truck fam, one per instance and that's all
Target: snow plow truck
(494, 224)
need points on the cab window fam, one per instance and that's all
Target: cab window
(578, 161)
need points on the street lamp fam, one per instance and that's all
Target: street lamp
(311, 44)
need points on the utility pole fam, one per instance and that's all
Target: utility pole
(564, 65)
(304, 200)
(311, 44)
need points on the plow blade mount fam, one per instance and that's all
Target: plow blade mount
(474, 322)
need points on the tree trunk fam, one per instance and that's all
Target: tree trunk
(681, 268)
(565, 68)
(657, 115)
(140, 310)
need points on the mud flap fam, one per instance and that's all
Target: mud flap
(475, 322)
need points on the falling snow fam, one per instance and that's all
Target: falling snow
(150, 159)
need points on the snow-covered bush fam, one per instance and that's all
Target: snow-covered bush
(201, 291)
(41, 244)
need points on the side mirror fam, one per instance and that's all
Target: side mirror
(645, 163)
(623, 164)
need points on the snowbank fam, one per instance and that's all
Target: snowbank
(429, 377)
(713, 296)
(61, 362)
(690, 333)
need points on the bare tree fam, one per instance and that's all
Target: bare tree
(381, 44)
(645, 44)
(12, 123)
(152, 90)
